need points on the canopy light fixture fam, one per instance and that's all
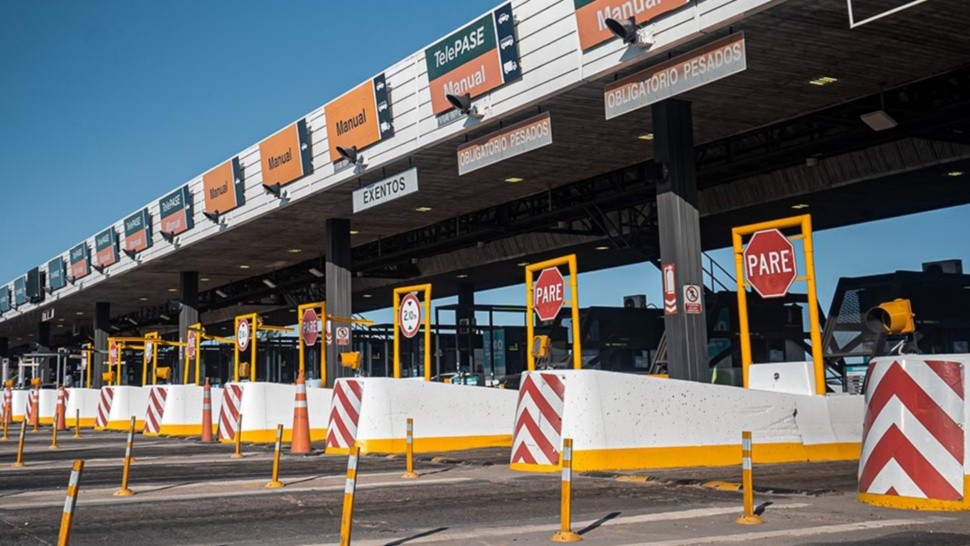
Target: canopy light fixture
(316, 272)
(295, 250)
(822, 81)
(629, 33)
(368, 296)
(514, 179)
(350, 155)
(354, 232)
(115, 328)
(269, 283)
(132, 321)
(173, 290)
(423, 209)
(143, 299)
(243, 266)
(602, 247)
(645, 136)
(954, 174)
(275, 189)
(463, 103)
(163, 316)
(212, 216)
(221, 294)
(799, 206)
(462, 275)
(878, 120)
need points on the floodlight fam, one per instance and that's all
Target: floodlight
(463, 103)
(629, 33)
(212, 216)
(275, 189)
(350, 155)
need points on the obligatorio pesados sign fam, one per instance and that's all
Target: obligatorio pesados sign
(511, 141)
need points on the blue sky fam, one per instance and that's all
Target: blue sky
(106, 105)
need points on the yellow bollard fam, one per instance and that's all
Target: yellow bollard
(347, 519)
(53, 437)
(64, 537)
(35, 408)
(747, 484)
(275, 482)
(566, 533)
(19, 463)
(237, 438)
(124, 491)
(77, 425)
(410, 451)
(6, 425)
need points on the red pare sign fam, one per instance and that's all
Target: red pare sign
(550, 293)
(769, 263)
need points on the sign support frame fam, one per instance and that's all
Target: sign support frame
(573, 302)
(804, 224)
(426, 305)
(322, 307)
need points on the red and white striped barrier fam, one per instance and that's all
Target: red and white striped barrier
(156, 409)
(232, 395)
(537, 438)
(344, 415)
(104, 407)
(914, 444)
(6, 410)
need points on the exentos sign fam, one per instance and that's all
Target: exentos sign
(106, 248)
(175, 211)
(359, 118)
(138, 231)
(591, 16)
(20, 291)
(511, 141)
(223, 187)
(476, 59)
(80, 261)
(4, 299)
(285, 156)
(691, 70)
(386, 190)
(56, 274)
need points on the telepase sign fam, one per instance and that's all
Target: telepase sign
(386, 190)
(514, 140)
(694, 69)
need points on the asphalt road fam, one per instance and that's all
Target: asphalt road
(189, 493)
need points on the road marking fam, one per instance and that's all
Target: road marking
(800, 532)
(473, 534)
(147, 496)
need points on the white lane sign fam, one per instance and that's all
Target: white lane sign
(383, 191)
(242, 335)
(409, 315)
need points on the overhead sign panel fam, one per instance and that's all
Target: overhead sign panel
(591, 16)
(359, 118)
(691, 70)
(175, 211)
(80, 261)
(223, 187)
(4, 299)
(20, 291)
(511, 141)
(138, 231)
(386, 190)
(56, 274)
(476, 59)
(106, 247)
(285, 156)
(35, 286)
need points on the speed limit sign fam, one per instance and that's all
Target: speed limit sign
(242, 335)
(409, 315)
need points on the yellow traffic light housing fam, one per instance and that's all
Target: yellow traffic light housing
(892, 317)
(35, 381)
(244, 369)
(163, 372)
(350, 360)
(108, 377)
(540, 347)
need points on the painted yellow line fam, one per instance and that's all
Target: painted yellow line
(633, 478)
(799, 532)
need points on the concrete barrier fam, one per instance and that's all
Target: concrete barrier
(128, 402)
(47, 405)
(18, 401)
(265, 405)
(621, 421)
(373, 413)
(914, 441)
(183, 411)
(85, 400)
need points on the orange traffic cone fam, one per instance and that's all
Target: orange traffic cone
(207, 412)
(61, 409)
(35, 409)
(8, 406)
(301, 420)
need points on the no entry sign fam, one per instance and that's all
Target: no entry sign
(242, 335)
(113, 353)
(769, 263)
(549, 294)
(410, 315)
(309, 327)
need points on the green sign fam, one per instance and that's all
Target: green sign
(4, 299)
(56, 274)
(461, 47)
(20, 291)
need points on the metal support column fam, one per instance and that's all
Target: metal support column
(188, 315)
(338, 287)
(102, 323)
(680, 239)
(465, 322)
(44, 346)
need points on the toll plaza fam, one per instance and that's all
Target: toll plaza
(601, 134)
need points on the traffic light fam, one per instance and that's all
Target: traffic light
(350, 360)
(540, 347)
(892, 317)
(163, 372)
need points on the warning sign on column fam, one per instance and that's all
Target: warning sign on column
(692, 299)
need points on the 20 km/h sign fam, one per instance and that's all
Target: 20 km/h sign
(309, 327)
(242, 335)
(769, 263)
(410, 315)
(549, 293)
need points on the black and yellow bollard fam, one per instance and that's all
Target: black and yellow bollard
(350, 488)
(19, 463)
(275, 481)
(237, 438)
(64, 536)
(747, 484)
(566, 533)
(409, 451)
(77, 425)
(53, 437)
(125, 491)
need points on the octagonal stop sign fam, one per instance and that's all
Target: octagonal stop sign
(549, 294)
(769, 263)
